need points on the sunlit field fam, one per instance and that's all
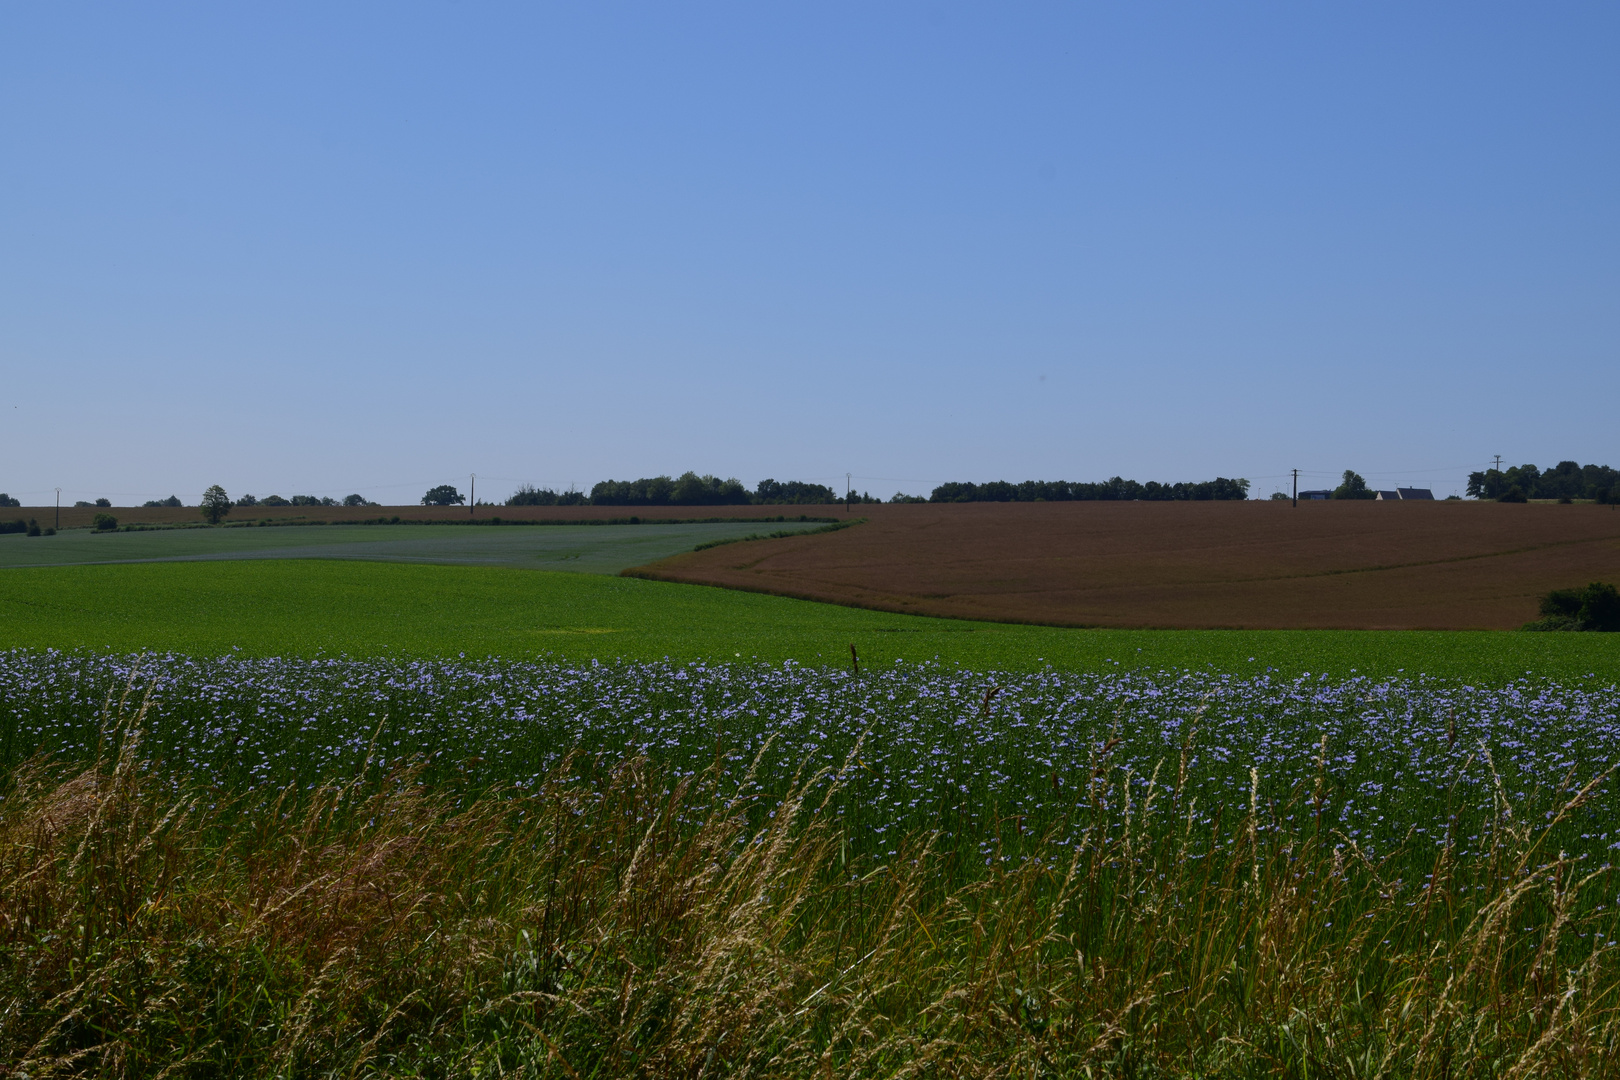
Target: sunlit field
(446, 867)
(322, 607)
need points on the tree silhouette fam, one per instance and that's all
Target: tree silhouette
(215, 504)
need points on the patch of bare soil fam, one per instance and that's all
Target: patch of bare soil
(1253, 565)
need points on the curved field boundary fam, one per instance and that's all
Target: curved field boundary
(1253, 565)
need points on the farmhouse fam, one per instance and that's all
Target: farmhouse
(1416, 493)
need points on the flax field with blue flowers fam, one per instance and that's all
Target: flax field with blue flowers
(398, 866)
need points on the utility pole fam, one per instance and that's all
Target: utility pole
(59, 509)
(1296, 487)
(472, 493)
(1498, 462)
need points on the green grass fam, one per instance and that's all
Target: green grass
(629, 916)
(324, 607)
(593, 549)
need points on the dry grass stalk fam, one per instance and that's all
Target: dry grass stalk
(615, 924)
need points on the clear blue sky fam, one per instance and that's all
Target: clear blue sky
(322, 248)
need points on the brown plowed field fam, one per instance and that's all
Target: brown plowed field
(1352, 565)
(74, 517)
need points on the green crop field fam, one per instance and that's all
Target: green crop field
(344, 822)
(595, 549)
(358, 608)
(481, 867)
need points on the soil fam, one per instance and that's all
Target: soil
(1253, 565)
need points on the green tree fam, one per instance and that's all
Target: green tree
(1353, 487)
(215, 504)
(443, 495)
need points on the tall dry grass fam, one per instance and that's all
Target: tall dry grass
(617, 924)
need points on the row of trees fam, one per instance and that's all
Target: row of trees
(688, 489)
(304, 500)
(1117, 489)
(1566, 480)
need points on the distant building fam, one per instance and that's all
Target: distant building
(1388, 496)
(1416, 493)
(1324, 494)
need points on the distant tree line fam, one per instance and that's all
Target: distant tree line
(1115, 490)
(688, 489)
(1566, 480)
(529, 495)
(304, 500)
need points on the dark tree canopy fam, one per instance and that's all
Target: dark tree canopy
(1596, 607)
(1566, 480)
(443, 495)
(688, 489)
(529, 495)
(794, 493)
(1117, 489)
(1352, 486)
(215, 505)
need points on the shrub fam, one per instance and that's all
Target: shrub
(33, 527)
(18, 526)
(104, 522)
(1594, 608)
(529, 495)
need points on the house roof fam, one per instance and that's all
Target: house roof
(1415, 493)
